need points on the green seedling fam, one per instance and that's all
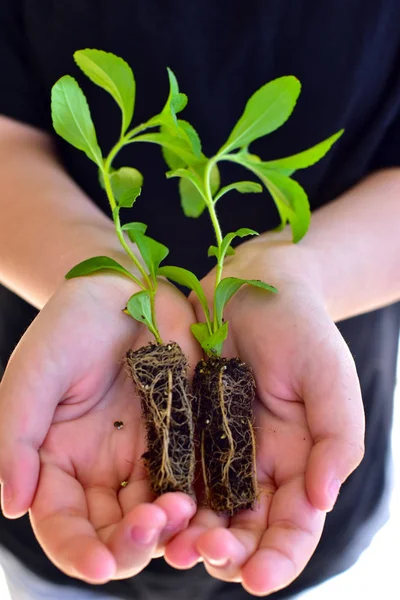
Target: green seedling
(225, 389)
(158, 370)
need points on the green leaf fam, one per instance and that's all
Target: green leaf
(176, 101)
(229, 286)
(190, 190)
(187, 279)
(266, 110)
(152, 252)
(304, 159)
(200, 331)
(215, 341)
(139, 307)
(114, 75)
(229, 237)
(191, 187)
(291, 201)
(191, 135)
(213, 251)
(192, 202)
(244, 187)
(133, 229)
(71, 118)
(97, 263)
(177, 145)
(126, 184)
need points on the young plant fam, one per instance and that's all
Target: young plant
(158, 370)
(225, 389)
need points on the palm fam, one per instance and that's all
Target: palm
(299, 361)
(89, 525)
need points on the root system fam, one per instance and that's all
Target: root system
(160, 375)
(224, 391)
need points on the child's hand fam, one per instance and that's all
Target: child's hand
(61, 456)
(309, 425)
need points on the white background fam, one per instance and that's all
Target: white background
(376, 574)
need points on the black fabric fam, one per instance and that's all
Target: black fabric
(347, 55)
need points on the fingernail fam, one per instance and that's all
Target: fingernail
(143, 535)
(334, 490)
(6, 495)
(217, 562)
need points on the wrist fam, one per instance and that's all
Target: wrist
(88, 240)
(274, 258)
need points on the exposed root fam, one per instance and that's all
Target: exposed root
(160, 374)
(224, 391)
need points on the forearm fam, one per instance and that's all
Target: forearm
(351, 253)
(356, 243)
(47, 223)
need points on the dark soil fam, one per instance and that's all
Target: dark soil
(224, 390)
(160, 375)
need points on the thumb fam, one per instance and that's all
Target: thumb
(29, 393)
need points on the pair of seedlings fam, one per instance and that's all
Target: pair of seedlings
(217, 410)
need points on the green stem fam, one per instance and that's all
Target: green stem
(217, 230)
(148, 285)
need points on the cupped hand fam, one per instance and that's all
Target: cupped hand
(61, 457)
(309, 423)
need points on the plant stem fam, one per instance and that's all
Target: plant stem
(148, 285)
(217, 229)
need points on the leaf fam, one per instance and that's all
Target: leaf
(266, 110)
(215, 341)
(184, 131)
(213, 251)
(152, 252)
(71, 118)
(175, 144)
(229, 286)
(244, 187)
(97, 263)
(291, 201)
(191, 135)
(229, 237)
(176, 101)
(304, 159)
(126, 184)
(139, 307)
(200, 332)
(190, 190)
(191, 187)
(114, 75)
(187, 279)
(133, 229)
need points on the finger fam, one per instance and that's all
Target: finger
(29, 393)
(181, 552)
(225, 551)
(335, 417)
(134, 540)
(294, 529)
(179, 509)
(60, 521)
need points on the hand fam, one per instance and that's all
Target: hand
(60, 454)
(308, 417)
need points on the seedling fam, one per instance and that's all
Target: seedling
(225, 389)
(159, 370)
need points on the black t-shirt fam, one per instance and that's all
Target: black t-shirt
(347, 55)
